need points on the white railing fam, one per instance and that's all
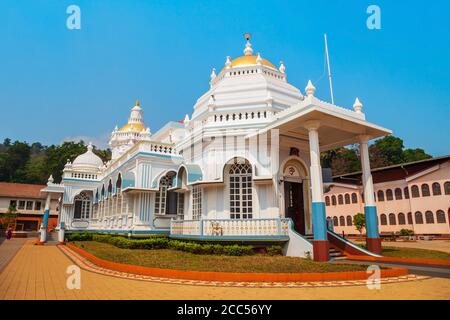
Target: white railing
(230, 227)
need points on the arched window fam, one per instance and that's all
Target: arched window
(103, 191)
(410, 219)
(196, 203)
(401, 219)
(82, 204)
(406, 191)
(380, 195)
(383, 220)
(327, 201)
(349, 221)
(347, 198)
(447, 188)
(165, 202)
(342, 221)
(429, 217)
(425, 190)
(354, 198)
(398, 194)
(392, 219)
(241, 201)
(335, 221)
(119, 184)
(415, 191)
(389, 195)
(109, 188)
(419, 217)
(436, 189)
(340, 199)
(440, 216)
(333, 200)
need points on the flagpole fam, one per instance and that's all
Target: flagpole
(329, 69)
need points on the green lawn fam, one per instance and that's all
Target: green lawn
(172, 259)
(414, 253)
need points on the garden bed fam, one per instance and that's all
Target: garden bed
(179, 260)
(397, 252)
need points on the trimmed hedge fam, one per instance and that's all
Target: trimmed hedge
(165, 243)
(275, 250)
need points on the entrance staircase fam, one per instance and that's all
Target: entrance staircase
(52, 238)
(333, 252)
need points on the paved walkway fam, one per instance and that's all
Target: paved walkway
(39, 272)
(8, 249)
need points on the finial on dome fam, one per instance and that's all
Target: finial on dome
(137, 103)
(228, 62)
(50, 179)
(248, 51)
(90, 147)
(310, 89)
(259, 59)
(282, 68)
(213, 74)
(357, 106)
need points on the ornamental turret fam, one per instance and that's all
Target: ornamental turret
(124, 138)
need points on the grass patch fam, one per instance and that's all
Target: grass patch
(397, 252)
(179, 260)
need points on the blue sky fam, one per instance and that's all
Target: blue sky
(57, 83)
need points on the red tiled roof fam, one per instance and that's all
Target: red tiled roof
(21, 190)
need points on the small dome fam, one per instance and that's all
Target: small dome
(88, 160)
(134, 127)
(251, 60)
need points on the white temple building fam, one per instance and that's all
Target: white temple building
(245, 166)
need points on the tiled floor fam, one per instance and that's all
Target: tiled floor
(8, 249)
(39, 272)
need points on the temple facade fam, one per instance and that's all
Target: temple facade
(244, 166)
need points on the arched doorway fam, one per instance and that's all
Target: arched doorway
(295, 194)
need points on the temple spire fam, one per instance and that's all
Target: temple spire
(248, 51)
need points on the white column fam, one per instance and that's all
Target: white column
(320, 243)
(370, 210)
(316, 169)
(44, 224)
(369, 199)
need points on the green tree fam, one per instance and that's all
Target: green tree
(359, 221)
(13, 160)
(9, 217)
(57, 157)
(391, 148)
(410, 155)
(341, 160)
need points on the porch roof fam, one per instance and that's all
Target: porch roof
(338, 126)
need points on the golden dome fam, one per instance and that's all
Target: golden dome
(250, 60)
(135, 127)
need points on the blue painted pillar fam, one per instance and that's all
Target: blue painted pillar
(373, 240)
(44, 224)
(320, 242)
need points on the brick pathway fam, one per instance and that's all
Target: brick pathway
(39, 272)
(8, 249)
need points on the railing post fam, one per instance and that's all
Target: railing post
(279, 226)
(201, 227)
